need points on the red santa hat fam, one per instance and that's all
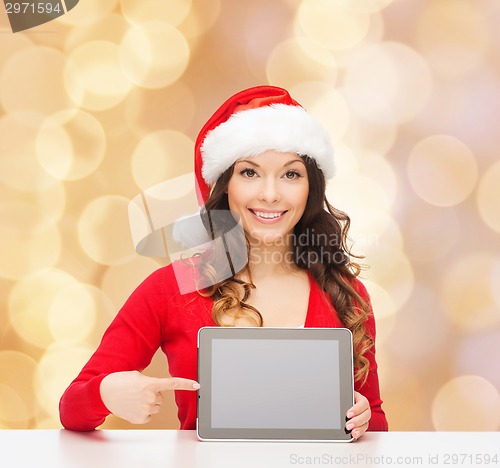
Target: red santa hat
(251, 122)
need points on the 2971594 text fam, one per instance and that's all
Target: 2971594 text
(363, 459)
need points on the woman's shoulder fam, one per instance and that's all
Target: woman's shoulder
(177, 275)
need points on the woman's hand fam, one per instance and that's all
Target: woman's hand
(135, 397)
(358, 416)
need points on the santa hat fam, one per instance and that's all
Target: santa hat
(251, 122)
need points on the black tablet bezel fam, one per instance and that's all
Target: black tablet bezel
(203, 425)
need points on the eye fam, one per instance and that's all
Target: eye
(292, 175)
(248, 172)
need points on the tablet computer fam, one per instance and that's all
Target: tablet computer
(287, 384)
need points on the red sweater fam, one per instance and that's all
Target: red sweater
(158, 315)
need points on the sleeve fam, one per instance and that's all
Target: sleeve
(128, 344)
(371, 388)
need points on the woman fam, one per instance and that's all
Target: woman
(265, 161)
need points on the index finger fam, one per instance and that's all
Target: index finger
(176, 383)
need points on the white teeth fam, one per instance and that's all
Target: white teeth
(260, 214)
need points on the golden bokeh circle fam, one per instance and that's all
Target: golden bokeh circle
(93, 76)
(33, 211)
(51, 203)
(87, 13)
(372, 126)
(460, 43)
(112, 28)
(11, 44)
(430, 232)
(346, 164)
(70, 146)
(119, 280)
(201, 19)
(299, 59)
(59, 365)
(29, 304)
(326, 104)
(331, 25)
(363, 6)
(12, 407)
(173, 12)
(24, 247)
(495, 281)
(161, 155)
(391, 235)
(442, 170)
(382, 303)
(406, 341)
(478, 354)
(145, 109)
(392, 270)
(378, 168)
(394, 384)
(104, 231)
(154, 54)
(375, 34)
(46, 94)
(385, 327)
(19, 168)
(468, 291)
(366, 201)
(31, 215)
(74, 311)
(488, 197)
(17, 371)
(371, 194)
(44, 422)
(466, 403)
(395, 74)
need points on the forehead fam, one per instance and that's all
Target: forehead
(271, 158)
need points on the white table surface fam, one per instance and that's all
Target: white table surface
(170, 448)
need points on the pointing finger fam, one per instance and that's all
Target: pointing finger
(176, 383)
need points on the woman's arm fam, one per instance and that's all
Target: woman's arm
(126, 349)
(136, 397)
(371, 388)
(371, 391)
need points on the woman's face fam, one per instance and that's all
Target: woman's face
(269, 194)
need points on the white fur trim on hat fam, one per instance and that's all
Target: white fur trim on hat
(279, 127)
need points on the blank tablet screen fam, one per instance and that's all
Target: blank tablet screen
(274, 382)
(264, 395)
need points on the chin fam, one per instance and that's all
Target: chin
(269, 238)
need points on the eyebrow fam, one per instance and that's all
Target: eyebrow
(248, 161)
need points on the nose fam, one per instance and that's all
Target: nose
(269, 191)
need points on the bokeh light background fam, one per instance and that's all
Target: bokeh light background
(106, 101)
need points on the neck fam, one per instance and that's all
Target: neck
(270, 259)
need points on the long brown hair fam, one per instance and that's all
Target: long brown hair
(320, 246)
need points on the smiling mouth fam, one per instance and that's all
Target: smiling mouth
(265, 215)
